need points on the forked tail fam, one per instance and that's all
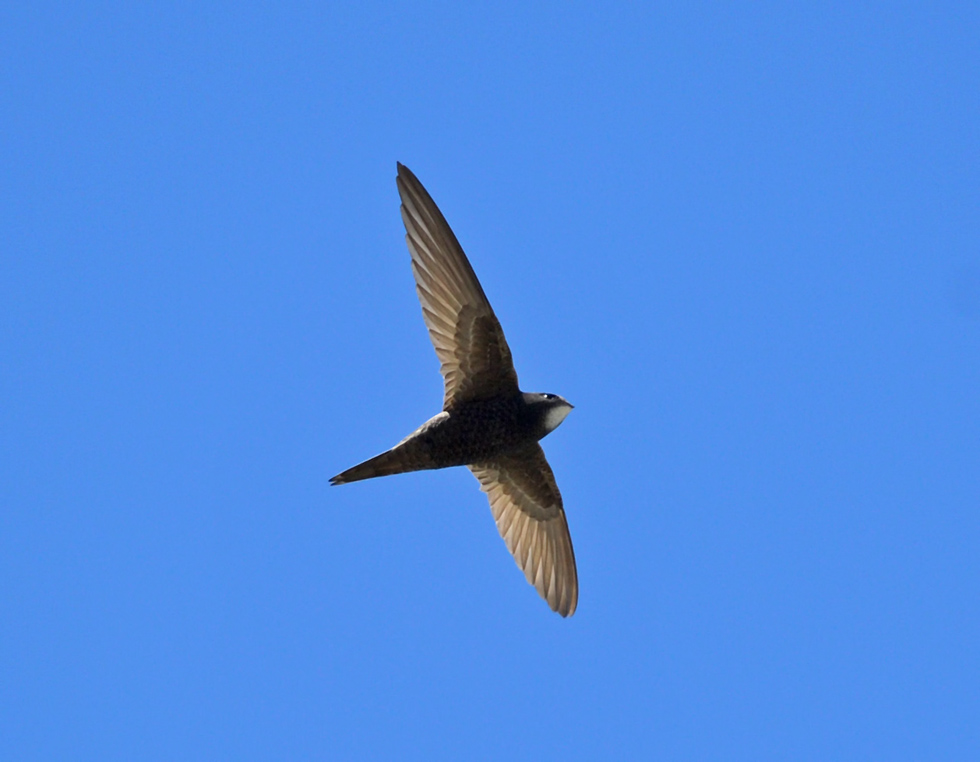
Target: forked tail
(398, 460)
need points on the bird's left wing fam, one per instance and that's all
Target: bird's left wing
(473, 353)
(527, 507)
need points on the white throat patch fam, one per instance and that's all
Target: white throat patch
(554, 416)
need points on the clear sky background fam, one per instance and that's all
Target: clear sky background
(742, 239)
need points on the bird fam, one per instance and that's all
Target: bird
(487, 423)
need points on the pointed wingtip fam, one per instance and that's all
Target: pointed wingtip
(405, 174)
(401, 176)
(565, 608)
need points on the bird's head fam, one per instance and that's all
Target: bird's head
(551, 409)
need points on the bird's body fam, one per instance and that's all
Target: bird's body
(487, 423)
(470, 432)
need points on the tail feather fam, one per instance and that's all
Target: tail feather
(398, 460)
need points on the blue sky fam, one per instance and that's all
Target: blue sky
(741, 238)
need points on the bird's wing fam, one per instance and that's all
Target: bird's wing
(527, 507)
(474, 356)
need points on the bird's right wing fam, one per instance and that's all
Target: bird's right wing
(475, 359)
(527, 507)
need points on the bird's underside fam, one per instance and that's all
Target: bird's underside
(487, 423)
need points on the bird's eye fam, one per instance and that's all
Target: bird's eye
(549, 396)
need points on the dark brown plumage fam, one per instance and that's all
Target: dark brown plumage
(487, 423)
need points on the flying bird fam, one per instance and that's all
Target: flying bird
(487, 423)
